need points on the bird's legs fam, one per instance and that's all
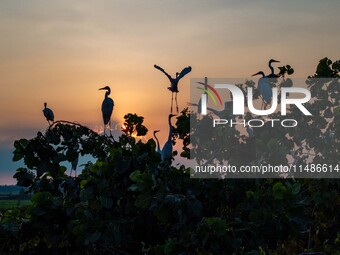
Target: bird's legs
(176, 102)
(71, 172)
(262, 104)
(172, 99)
(75, 172)
(110, 128)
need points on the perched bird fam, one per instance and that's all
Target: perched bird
(74, 165)
(250, 131)
(174, 82)
(264, 82)
(272, 74)
(265, 88)
(167, 149)
(48, 113)
(158, 149)
(107, 108)
(74, 162)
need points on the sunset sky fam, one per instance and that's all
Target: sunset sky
(63, 51)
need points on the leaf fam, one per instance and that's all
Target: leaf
(162, 214)
(253, 252)
(143, 200)
(24, 177)
(106, 202)
(317, 198)
(18, 155)
(328, 113)
(80, 229)
(86, 194)
(42, 198)
(296, 188)
(92, 238)
(134, 187)
(278, 190)
(136, 176)
(83, 183)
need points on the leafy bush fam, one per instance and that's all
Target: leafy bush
(129, 202)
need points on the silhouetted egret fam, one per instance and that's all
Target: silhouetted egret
(265, 88)
(48, 113)
(272, 74)
(158, 149)
(174, 82)
(107, 108)
(167, 149)
(74, 165)
(250, 131)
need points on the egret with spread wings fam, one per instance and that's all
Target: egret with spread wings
(174, 82)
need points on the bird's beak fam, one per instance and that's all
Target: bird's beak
(101, 88)
(276, 61)
(202, 83)
(255, 74)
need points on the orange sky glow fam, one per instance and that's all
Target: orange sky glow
(62, 52)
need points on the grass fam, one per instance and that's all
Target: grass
(4, 204)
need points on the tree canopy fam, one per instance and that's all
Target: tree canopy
(127, 201)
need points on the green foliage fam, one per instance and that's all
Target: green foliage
(7, 204)
(286, 70)
(133, 125)
(129, 202)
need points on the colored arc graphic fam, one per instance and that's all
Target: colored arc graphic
(210, 94)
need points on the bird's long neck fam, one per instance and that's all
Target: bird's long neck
(170, 129)
(107, 93)
(158, 147)
(270, 67)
